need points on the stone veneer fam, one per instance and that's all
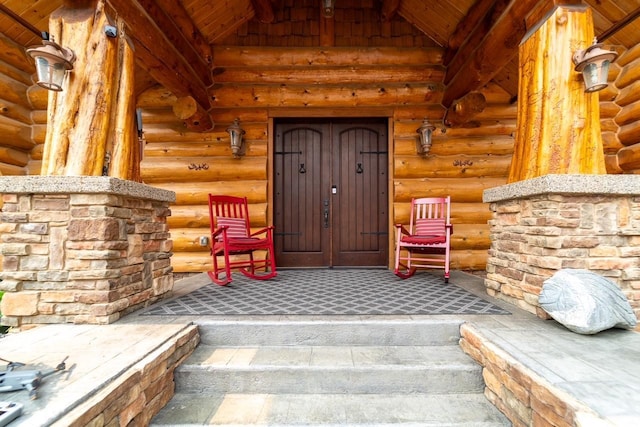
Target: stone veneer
(138, 393)
(525, 397)
(82, 249)
(549, 223)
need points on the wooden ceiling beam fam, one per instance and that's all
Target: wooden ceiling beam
(264, 11)
(182, 20)
(493, 43)
(464, 109)
(161, 52)
(169, 76)
(182, 45)
(469, 25)
(389, 9)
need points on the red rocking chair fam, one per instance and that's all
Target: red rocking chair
(426, 243)
(231, 237)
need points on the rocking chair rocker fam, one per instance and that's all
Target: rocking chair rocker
(426, 243)
(231, 237)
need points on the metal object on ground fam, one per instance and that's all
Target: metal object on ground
(9, 411)
(28, 379)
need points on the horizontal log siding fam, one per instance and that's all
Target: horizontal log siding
(462, 163)
(608, 125)
(380, 72)
(15, 109)
(195, 164)
(355, 23)
(627, 118)
(255, 84)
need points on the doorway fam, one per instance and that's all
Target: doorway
(330, 192)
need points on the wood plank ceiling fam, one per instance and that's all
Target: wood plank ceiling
(480, 37)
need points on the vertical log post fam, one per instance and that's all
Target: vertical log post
(103, 245)
(93, 117)
(327, 30)
(122, 143)
(558, 123)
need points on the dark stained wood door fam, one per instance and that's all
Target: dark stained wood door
(330, 193)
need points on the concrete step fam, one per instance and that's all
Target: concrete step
(329, 373)
(459, 410)
(334, 369)
(330, 332)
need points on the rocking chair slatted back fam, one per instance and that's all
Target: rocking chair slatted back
(426, 242)
(232, 240)
(228, 206)
(435, 209)
(232, 212)
(429, 227)
(237, 227)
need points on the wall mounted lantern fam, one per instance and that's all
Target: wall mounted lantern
(426, 132)
(52, 63)
(328, 8)
(594, 63)
(236, 133)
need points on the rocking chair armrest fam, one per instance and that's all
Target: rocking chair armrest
(402, 229)
(218, 231)
(267, 230)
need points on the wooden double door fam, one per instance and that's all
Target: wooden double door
(331, 192)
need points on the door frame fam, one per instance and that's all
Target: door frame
(362, 113)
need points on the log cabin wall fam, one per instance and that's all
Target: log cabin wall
(23, 112)
(15, 109)
(608, 110)
(370, 69)
(624, 131)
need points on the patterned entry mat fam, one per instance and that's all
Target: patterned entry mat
(329, 292)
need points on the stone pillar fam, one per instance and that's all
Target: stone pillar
(545, 224)
(82, 249)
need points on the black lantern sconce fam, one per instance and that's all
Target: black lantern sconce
(426, 133)
(236, 133)
(594, 63)
(52, 63)
(328, 8)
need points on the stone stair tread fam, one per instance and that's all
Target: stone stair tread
(330, 373)
(331, 332)
(217, 357)
(460, 410)
(329, 369)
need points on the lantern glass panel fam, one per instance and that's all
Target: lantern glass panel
(595, 76)
(235, 138)
(426, 135)
(328, 6)
(50, 76)
(604, 71)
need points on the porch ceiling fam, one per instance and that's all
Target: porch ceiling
(472, 32)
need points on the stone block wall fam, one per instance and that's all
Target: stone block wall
(525, 397)
(546, 224)
(138, 394)
(82, 249)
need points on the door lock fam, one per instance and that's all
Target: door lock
(325, 213)
(334, 189)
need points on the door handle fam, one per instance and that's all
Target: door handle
(325, 213)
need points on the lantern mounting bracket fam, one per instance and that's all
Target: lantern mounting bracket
(52, 62)
(593, 62)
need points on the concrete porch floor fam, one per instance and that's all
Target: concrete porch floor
(597, 376)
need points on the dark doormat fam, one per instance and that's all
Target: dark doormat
(329, 292)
